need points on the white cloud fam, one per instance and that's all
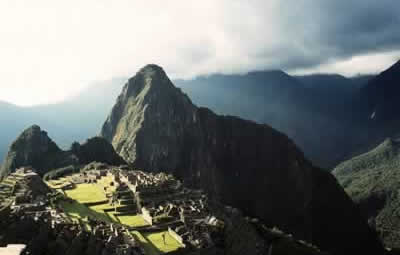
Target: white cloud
(373, 63)
(51, 49)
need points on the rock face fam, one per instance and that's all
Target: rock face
(97, 149)
(253, 167)
(34, 148)
(373, 181)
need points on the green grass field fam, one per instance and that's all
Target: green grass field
(157, 240)
(153, 243)
(133, 220)
(149, 248)
(78, 211)
(90, 193)
(86, 193)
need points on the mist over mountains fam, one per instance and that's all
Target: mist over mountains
(154, 125)
(322, 113)
(300, 106)
(75, 119)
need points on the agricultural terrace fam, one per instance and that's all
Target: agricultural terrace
(91, 200)
(153, 243)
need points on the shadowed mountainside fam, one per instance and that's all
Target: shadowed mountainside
(314, 110)
(309, 109)
(155, 126)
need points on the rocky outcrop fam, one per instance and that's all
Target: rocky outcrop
(373, 182)
(253, 167)
(34, 148)
(96, 149)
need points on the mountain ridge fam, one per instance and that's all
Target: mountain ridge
(371, 180)
(33, 147)
(156, 126)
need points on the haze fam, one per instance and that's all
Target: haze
(50, 50)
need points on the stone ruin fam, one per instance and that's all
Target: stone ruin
(165, 203)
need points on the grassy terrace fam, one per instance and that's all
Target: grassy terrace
(79, 210)
(153, 243)
(87, 193)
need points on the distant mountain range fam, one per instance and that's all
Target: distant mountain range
(249, 166)
(325, 114)
(75, 119)
(316, 111)
(155, 126)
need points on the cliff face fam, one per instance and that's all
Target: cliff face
(34, 148)
(373, 181)
(253, 167)
(96, 149)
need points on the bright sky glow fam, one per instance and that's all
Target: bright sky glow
(52, 49)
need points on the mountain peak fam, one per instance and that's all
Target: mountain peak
(154, 126)
(147, 78)
(151, 72)
(32, 148)
(152, 68)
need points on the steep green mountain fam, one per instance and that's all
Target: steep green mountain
(155, 126)
(13, 120)
(34, 148)
(373, 181)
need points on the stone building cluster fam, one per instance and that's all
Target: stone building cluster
(165, 203)
(28, 213)
(162, 201)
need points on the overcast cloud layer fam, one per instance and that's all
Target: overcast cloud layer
(51, 49)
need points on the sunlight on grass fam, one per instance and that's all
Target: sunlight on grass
(78, 211)
(132, 220)
(157, 239)
(86, 193)
(149, 248)
(90, 193)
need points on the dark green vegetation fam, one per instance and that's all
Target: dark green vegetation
(251, 166)
(373, 181)
(33, 147)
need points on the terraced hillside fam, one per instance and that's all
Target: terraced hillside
(163, 216)
(105, 199)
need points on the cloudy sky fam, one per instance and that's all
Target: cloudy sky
(51, 49)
